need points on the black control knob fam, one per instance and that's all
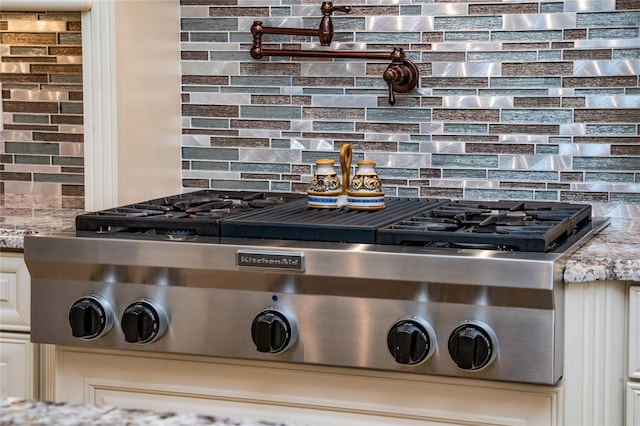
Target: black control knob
(90, 317)
(143, 322)
(471, 346)
(409, 342)
(272, 332)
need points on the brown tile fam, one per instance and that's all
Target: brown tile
(302, 169)
(239, 142)
(31, 59)
(432, 37)
(273, 68)
(387, 127)
(612, 81)
(431, 101)
(430, 173)
(73, 190)
(194, 55)
(4, 25)
(530, 129)
(23, 78)
(402, 100)
(195, 183)
(536, 102)
(66, 119)
(466, 115)
(36, 127)
(73, 202)
(607, 115)
(562, 45)
(259, 176)
(6, 159)
(291, 177)
(299, 187)
(554, 185)
(601, 197)
(499, 9)
(324, 81)
(625, 150)
(537, 69)
(57, 69)
(76, 96)
(499, 148)
(58, 137)
(270, 99)
(575, 34)
(208, 80)
(15, 176)
(256, 11)
(37, 107)
(74, 26)
(524, 185)
(373, 146)
(29, 39)
(590, 54)
(210, 132)
(352, 137)
(465, 138)
(210, 110)
(77, 170)
(627, 4)
(571, 176)
(261, 124)
(607, 139)
(525, 46)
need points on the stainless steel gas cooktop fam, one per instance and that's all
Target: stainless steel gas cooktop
(459, 288)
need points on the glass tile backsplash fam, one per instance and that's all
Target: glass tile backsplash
(526, 99)
(521, 99)
(42, 116)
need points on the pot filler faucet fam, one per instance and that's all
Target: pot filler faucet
(401, 75)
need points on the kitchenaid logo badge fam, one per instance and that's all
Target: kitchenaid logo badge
(270, 259)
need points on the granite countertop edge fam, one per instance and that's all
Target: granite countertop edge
(611, 255)
(15, 411)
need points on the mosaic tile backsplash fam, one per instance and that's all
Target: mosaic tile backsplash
(516, 99)
(42, 114)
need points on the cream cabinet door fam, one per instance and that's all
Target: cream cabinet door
(15, 293)
(18, 369)
(293, 393)
(634, 332)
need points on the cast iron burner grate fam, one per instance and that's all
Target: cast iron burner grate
(503, 225)
(193, 213)
(296, 221)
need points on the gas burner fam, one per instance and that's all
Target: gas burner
(199, 212)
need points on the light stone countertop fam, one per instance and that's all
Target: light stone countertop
(39, 413)
(613, 254)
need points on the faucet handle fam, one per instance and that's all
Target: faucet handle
(401, 75)
(328, 8)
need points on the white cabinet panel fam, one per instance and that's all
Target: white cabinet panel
(292, 393)
(634, 332)
(17, 366)
(15, 293)
(633, 404)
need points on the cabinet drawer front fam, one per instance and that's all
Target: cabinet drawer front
(15, 293)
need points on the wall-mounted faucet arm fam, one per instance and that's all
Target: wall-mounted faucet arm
(324, 32)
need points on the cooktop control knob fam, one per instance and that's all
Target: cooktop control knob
(472, 345)
(90, 317)
(272, 332)
(410, 341)
(143, 321)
